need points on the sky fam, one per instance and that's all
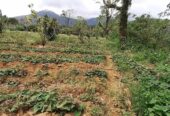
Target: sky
(85, 8)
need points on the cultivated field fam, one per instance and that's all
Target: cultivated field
(62, 78)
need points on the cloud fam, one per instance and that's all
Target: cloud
(63, 4)
(85, 8)
(152, 7)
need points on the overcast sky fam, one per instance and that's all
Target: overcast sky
(85, 8)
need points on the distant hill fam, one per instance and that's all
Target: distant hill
(60, 19)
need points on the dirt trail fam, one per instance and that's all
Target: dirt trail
(115, 89)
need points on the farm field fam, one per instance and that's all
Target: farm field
(84, 58)
(69, 78)
(61, 79)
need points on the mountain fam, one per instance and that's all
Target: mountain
(60, 19)
(92, 21)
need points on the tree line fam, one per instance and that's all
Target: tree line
(113, 20)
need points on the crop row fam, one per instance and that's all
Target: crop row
(13, 72)
(39, 102)
(50, 59)
(18, 72)
(53, 50)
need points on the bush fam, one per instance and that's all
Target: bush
(149, 88)
(153, 33)
(20, 28)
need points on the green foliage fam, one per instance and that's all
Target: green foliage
(46, 59)
(144, 30)
(96, 73)
(58, 59)
(153, 56)
(53, 50)
(3, 20)
(81, 29)
(95, 59)
(151, 97)
(13, 21)
(8, 57)
(49, 28)
(19, 28)
(38, 101)
(15, 72)
(64, 43)
(149, 87)
(32, 28)
(97, 111)
(45, 25)
(166, 12)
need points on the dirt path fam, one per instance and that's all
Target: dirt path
(115, 89)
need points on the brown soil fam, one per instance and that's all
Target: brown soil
(114, 86)
(108, 93)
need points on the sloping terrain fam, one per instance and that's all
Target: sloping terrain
(54, 81)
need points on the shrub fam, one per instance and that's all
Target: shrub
(149, 88)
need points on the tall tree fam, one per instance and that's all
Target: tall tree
(46, 26)
(1, 22)
(123, 10)
(13, 21)
(67, 15)
(80, 28)
(104, 19)
(166, 12)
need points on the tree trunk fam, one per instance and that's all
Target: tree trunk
(1, 23)
(123, 23)
(108, 17)
(0, 27)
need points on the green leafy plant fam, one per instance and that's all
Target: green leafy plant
(14, 72)
(97, 111)
(96, 73)
(95, 59)
(39, 101)
(58, 59)
(149, 89)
